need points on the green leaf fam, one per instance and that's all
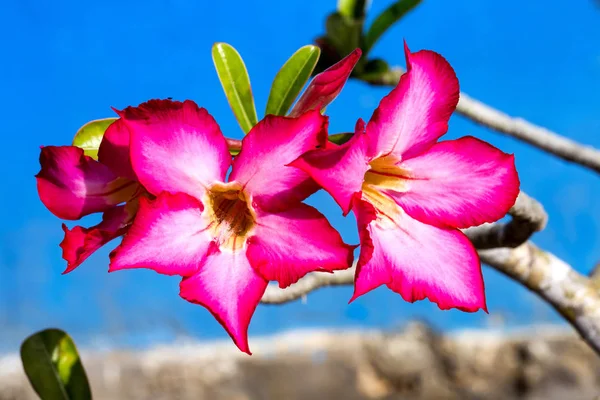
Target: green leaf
(52, 364)
(343, 33)
(89, 136)
(236, 84)
(386, 19)
(291, 78)
(340, 138)
(353, 9)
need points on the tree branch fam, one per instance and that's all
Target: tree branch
(518, 128)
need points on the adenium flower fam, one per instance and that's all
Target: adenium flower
(227, 237)
(411, 193)
(72, 185)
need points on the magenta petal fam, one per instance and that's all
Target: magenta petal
(80, 243)
(459, 183)
(114, 150)
(262, 165)
(377, 274)
(416, 112)
(326, 86)
(230, 289)
(419, 261)
(286, 246)
(169, 235)
(72, 185)
(340, 170)
(177, 148)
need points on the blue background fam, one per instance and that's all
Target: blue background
(65, 62)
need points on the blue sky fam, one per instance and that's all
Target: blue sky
(66, 62)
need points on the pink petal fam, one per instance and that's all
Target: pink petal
(80, 243)
(169, 235)
(326, 86)
(262, 165)
(416, 112)
(177, 148)
(340, 170)
(230, 289)
(72, 185)
(114, 150)
(418, 261)
(288, 245)
(459, 183)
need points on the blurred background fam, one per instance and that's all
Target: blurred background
(66, 62)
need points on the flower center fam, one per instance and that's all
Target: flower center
(231, 214)
(382, 181)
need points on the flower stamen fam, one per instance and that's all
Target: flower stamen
(232, 216)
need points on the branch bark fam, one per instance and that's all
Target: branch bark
(518, 128)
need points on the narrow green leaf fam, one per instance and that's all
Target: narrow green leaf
(353, 9)
(340, 138)
(89, 136)
(291, 78)
(236, 84)
(386, 19)
(53, 366)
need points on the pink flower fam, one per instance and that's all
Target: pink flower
(72, 185)
(226, 237)
(410, 193)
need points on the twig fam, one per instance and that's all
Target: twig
(518, 128)
(595, 274)
(313, 281)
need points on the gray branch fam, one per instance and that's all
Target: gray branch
(518, 128)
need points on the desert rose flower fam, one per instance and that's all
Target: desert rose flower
(227, 237)
(411, 193)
